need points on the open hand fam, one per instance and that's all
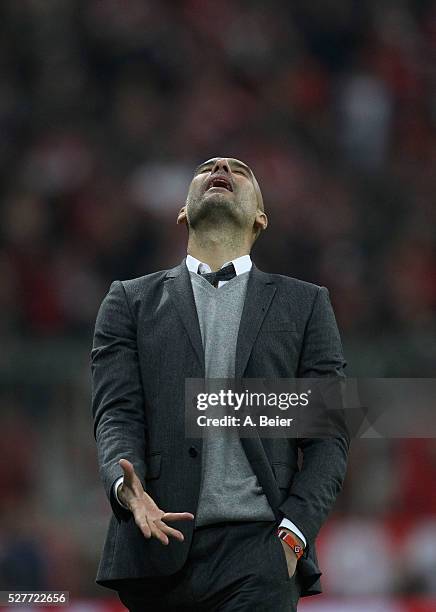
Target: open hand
(150, 519)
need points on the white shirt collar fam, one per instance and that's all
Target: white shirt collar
(242, 264)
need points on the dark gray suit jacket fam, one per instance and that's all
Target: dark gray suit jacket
(147, 341)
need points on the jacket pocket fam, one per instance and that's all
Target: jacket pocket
(279, 326)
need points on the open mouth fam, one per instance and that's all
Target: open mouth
(219, 181)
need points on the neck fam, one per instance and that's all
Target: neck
(216, 249)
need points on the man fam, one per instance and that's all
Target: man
(195, 521)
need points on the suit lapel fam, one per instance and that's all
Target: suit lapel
(260, 292)
(179, 286)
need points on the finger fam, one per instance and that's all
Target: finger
(144, 527)
(157, 533)
(177, 516)
(128, 469)
(170, 531)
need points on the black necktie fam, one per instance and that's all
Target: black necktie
(224, 274)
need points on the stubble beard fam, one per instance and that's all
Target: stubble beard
(214, 212)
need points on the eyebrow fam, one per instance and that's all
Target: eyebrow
(234, 163)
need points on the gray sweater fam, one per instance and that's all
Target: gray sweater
(230, 490)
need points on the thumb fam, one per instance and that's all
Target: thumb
(129, 471)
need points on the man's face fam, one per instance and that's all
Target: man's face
(223, 188)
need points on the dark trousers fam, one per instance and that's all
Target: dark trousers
(231, 567)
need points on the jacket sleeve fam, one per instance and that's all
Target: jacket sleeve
(316, 486)
(117, 394)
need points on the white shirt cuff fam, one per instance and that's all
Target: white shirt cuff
(116, 485)
(290, 525)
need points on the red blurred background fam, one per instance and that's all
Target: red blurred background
(105, 109)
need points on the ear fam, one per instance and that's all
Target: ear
(261, 221)
(181, 217)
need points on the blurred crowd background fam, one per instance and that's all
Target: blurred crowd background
(106, 107)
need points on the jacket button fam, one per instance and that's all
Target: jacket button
(193, 451)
